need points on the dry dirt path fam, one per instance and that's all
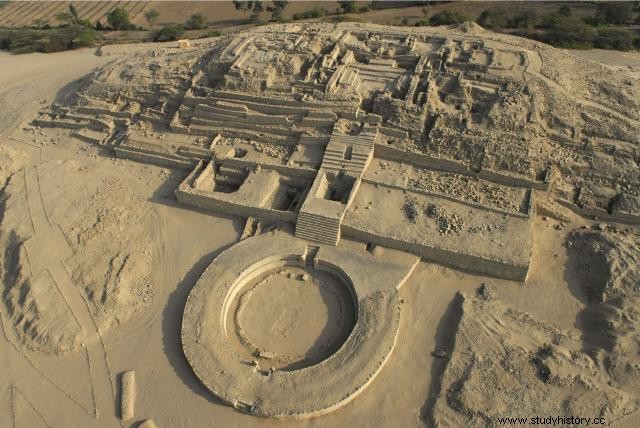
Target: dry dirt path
(21, 370)
(46, 250)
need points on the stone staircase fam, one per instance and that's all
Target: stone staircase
(349, 153)
(345, 159)
(228, 179)
(334, 159)
(252, 227)
(310, 255)
(340, 193)
(317, 228)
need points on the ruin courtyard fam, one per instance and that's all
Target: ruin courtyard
(291, 222)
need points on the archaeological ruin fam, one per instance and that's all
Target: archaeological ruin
(353, 152)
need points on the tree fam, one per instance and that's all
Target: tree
(248, 6)
(276, 9)
(65, 18)
(527, 19)
(197, 21)
(242, 6)
(170, 33)
(86, 37)
(448, 17)
(493, 18)
(74, 13)
(318, 12)
(151, 16)
(615, 12)
(614, 38)
(565, 10)
(118, 19)
(72, 18)
(347, 6)
(40, 23)
(568, 32)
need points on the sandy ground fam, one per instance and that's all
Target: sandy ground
(37, 390)
(619, 61)
(28, 81)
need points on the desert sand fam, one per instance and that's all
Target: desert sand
(320, 225)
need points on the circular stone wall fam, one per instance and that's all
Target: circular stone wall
(291, 316)
(275, 330)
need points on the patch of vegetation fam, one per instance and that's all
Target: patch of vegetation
(493, 19)
(67, 19)
(411, 209)
(382, 5)
(85, 38)
(253, 7)
(71, 33)
(169, 33)
(527, 19)
(566, 32)
(152, 16)
(41, 24)
(614, 38)
(615, 12)
(118, 19)
(197, 21)
(348, 6)
(573, 32)
(28, 40)
(214, 33)
(565, 10)
(343, 18)
(562, 28)
(362, 7)
(276, 8)
(318, 12)
(449, 17)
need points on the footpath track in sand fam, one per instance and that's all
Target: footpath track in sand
(46, 251)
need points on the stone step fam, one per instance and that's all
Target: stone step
(210, 115)
(342, 165)
(227, 110)
(317, 228)
(340, 156)
(314, 230)
(319, 219)
(320, 239)
(243, 124)
(231, 171)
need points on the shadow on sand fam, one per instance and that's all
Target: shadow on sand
(172, 324)
(444, 340)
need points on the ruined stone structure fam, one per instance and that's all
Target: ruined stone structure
(435, 143)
